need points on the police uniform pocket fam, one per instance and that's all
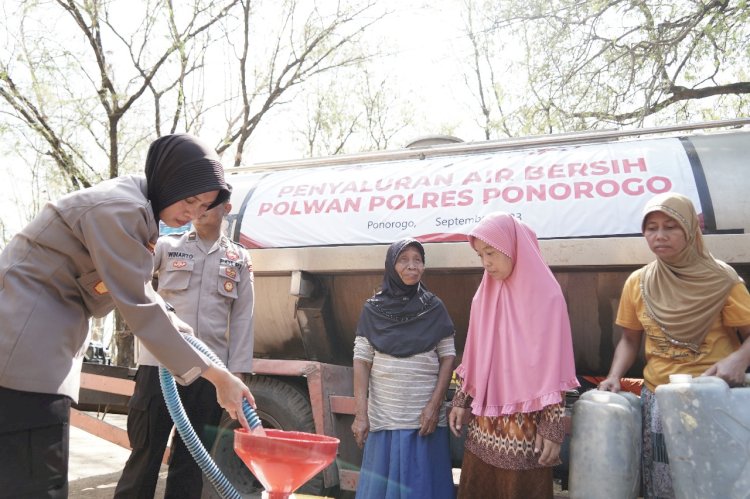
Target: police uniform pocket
(95, 294)
(229, 277)
(176, 275)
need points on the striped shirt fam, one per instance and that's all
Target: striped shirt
(400, 387)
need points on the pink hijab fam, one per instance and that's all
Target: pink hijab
(519, 352)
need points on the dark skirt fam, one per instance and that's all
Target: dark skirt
(479, 480)
(399, 464)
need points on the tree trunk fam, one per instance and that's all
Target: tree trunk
(124, 343)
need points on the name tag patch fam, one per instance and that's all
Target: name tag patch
(229, 263)
(179, 254)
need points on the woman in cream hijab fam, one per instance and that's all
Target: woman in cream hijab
(695, 313)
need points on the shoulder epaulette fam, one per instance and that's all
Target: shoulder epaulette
(232, 241)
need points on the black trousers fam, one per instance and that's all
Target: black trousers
(149, 426)
(34, 443)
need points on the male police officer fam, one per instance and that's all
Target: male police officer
(208, 279)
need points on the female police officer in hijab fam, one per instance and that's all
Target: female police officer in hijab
(81, 256)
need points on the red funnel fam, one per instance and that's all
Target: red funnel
(283, 460)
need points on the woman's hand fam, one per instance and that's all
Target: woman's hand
(610, 385)
(625, 354)
(547, 450)
(182, 326)
(731, 369)
(428, 419)
(230, 391)
(457, 417)
(361, 428)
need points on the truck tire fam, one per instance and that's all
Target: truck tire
(280, 405)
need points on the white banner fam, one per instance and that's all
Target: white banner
(571, 191)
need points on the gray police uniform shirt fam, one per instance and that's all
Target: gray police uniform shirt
(211, 290)
(81, 256)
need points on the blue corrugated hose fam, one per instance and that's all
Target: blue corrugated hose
(186, 431)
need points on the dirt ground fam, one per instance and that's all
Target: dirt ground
(96, 464)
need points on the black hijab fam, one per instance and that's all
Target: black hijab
(402, 320)
(179, 166)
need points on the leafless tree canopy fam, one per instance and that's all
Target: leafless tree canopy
(90, 83)
(309, 39)
(86, 85)
(590, 64)
(75, 71)
(362, 113)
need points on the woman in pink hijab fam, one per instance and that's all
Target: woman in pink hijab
(516, 366)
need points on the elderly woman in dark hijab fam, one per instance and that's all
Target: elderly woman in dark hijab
(403, 355)
(82, 256)
(694, 312)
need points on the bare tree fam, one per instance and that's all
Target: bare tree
(310, 39)
(76, 90)
(330, 122)
(364, 113)
(385, 114)
(592, 64)
(475, 80)
(499, 77)
(27, 180)
(621, 61)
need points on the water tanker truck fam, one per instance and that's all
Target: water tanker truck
(318, 230)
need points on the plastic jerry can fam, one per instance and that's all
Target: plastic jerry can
(605, 446)
(707, 433)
